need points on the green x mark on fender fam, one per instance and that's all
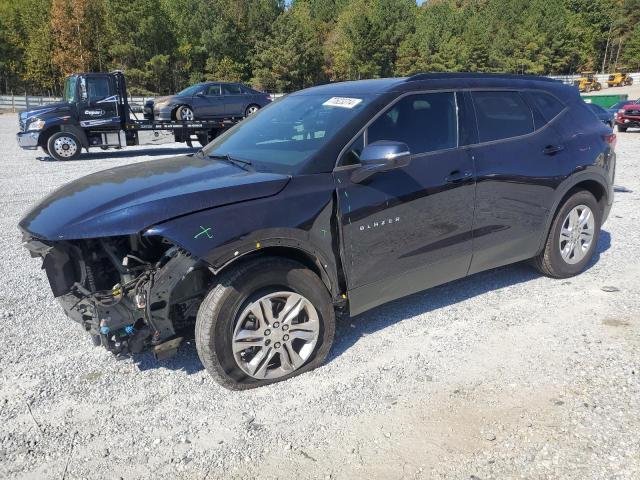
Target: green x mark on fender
(204, 231)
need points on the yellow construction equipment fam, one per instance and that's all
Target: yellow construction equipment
(587, 82)
(619, 79)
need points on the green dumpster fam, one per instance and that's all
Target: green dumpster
(604, 101)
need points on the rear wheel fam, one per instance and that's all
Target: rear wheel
(266, 321)
(573, 237)
(64, 146)
(622, 129)
(597, 86)
(184, 113)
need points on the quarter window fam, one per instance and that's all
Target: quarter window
(501, 115)
(425, 122)
(548, 105)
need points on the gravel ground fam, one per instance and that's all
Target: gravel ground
(502, 375)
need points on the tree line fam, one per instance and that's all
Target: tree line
(165, 45)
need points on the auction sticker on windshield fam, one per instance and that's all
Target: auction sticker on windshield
(343, 102)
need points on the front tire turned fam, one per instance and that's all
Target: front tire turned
(573, 237)
(265, 321)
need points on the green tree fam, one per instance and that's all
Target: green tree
(367, 38)
(291, 58)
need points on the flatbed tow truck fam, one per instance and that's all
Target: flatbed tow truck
(95, 113)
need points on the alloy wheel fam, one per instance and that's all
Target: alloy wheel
(576, 234)
(186, 114)
(275, 335)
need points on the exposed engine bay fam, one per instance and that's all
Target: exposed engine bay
(129, 293)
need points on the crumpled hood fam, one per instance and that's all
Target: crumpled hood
(128, 199)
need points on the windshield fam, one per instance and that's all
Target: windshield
(282, 136)
(192, 90)
(70, 89)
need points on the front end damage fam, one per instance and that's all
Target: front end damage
(129, 292)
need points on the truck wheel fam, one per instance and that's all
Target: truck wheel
(251, 109)
(184, 113)
(64, 146)
(597, 87)
(573, 237)
(264, 322)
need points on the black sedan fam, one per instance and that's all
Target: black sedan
(604, 115)
(211, 100)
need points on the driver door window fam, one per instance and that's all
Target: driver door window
(425, 122)
(212, 91)
(98, 88)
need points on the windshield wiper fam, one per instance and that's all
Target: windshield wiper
(238, 162)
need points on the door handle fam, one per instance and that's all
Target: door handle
(457, 176)
(551, 149)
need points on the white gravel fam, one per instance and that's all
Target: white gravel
(502, 375)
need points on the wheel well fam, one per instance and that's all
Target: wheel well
(595, 188)
(44, 136)
(300, 256)
(174, 112)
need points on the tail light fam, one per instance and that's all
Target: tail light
(611, 140)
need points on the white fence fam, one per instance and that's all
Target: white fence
(22, 102)
(25, 102)
(601, 77)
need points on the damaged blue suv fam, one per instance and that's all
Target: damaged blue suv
(332, 200)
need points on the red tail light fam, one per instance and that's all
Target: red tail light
(611, 140)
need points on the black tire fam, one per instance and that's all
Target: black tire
(219, 312)
(550, 262)
(68, 142)
(622, 129)
(203, 139)
(44, 149)
(251, 109)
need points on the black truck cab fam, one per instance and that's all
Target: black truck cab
(95, 112)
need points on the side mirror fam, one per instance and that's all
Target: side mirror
(381, 156)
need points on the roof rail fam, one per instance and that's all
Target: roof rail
(452, 75)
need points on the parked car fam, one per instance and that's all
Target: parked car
(628, 117)
(604, 115)
(618, 105)
(331, 201)
(204, 101)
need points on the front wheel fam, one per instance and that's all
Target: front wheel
(251, 109)
(573, 237)
(64, 146)
(266, 321)
(185, 113)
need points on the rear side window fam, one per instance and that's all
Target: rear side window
(548, 105)
(231, 89)
(501, 115)
(425, 122)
